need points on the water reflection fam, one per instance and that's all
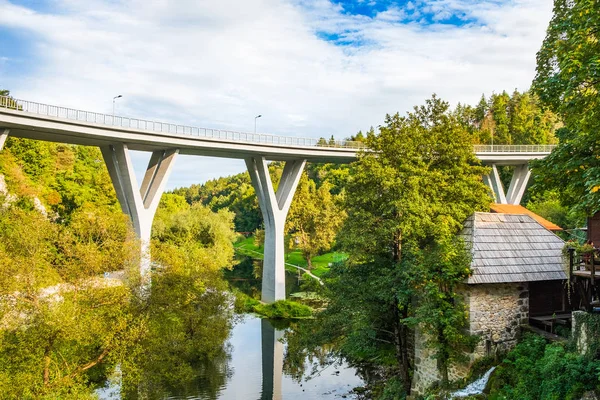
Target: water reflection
(251, 369)
(270, 381)
(272, 361)
(246, 277)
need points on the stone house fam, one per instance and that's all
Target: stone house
(517, 268)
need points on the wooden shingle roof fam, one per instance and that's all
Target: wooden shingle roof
(519, 209)
(512, 248)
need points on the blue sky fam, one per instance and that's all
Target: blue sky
(310, 67)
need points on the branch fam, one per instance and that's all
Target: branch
(92, 363)
(384, 341)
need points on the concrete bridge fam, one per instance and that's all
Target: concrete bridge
(116, 135)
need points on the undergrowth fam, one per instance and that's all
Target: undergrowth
(282, 309)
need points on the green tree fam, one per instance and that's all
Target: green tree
(187, 313)
(235, 193)
(314, 218)
(60, 324)
(509, 119)
(568, 82)
(407, 197)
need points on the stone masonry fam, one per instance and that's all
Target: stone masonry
(495, 313)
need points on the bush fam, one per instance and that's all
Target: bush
(283, 309)
(538, 370)
(244, 303)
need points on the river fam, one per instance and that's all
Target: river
(255, 371)
(253, 366)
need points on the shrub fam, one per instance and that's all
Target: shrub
(538, 370)
(283, 309)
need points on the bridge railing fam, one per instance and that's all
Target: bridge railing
(513, 148)
(163, 127)
(262, 138)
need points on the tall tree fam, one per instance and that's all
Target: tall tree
(314, 219)
(407, 196)
(568, 82)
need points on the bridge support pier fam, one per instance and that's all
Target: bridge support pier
(494, 182)
(274, 208)
(139, 204)
(518, 184)
(3, 137)
(516, 189)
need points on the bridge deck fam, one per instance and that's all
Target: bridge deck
(59, 124)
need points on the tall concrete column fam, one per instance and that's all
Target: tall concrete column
(139, 204)
(3, 137)
(274, 208)
(518, 184)
(494, 182)
(516, 189)
(272, 361)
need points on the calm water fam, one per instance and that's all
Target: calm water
(255, 371)
(252, 365)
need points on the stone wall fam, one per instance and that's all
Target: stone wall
(584, 331)
(495, 313)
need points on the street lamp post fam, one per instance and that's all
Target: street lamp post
(255, 118)
(115, 98)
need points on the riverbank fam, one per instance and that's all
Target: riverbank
(294, 258)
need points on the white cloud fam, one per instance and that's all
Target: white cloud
(218, 64)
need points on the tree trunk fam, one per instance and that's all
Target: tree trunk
(47, 366)
(401, 346)
(442, 363)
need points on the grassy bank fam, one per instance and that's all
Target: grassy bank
(320, 263)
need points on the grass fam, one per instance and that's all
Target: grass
(282, 309)
(320, 263)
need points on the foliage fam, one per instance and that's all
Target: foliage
(393, 390)
(64, 328)
(193, 238)
(518, 118)
(283, 309)
(64, 177)
(421, 181)
(548, 205)
(234, 193)
(244, 303)
(537, 370)
(404, 200)
(585, 335)
(437, 272)
(314, 219)
(568, 82)
(60, 324)
(187, 321)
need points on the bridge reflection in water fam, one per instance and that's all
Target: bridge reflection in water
(272, 361)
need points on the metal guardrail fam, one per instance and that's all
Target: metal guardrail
(262, 138)
(513, 148)
(163, 127)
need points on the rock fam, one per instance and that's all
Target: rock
(591, 395)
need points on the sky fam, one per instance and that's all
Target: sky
(311, 68)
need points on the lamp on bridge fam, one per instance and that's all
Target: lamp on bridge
(114, 98)
(255, 118)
